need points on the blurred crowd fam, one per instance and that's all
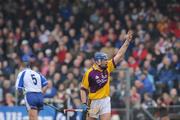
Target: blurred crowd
(61, 36)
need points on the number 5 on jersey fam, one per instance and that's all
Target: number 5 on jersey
(34, 79)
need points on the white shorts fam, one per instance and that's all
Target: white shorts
(101, 106)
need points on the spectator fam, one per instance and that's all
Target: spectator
(174, 96)
(64, 71)
(148, 101)
(147, 85)
(70, 79)
(135, 98)
(141, 53)
(166, 75)
(9, 100)
(51, 90)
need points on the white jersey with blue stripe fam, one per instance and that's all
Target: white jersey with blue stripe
(30, 81)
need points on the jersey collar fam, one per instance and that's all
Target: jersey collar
(95, 67)
(27, 68)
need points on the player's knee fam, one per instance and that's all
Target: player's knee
(33, 115)
(90, 118)
(106, 116)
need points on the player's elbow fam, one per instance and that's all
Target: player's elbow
(84, 89)
(118, 58)
(44, 89)
(20, 90)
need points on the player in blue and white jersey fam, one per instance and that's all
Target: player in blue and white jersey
(34, 85)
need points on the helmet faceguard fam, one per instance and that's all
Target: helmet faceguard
(99, 58)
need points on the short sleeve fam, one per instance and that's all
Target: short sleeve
(85, 82)
(20, 81)
(43, 81)
(111, 65)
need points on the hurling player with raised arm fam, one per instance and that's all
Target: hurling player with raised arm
(95, 85)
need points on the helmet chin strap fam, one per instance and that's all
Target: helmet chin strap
(103, 67)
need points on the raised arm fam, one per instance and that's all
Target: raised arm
(120, 54)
